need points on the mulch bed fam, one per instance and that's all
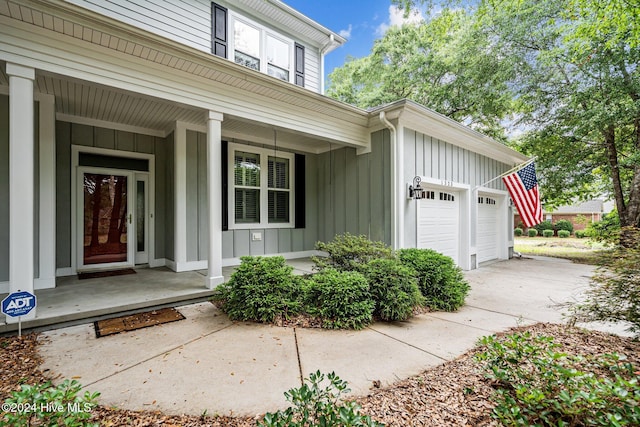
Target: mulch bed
(452, 394)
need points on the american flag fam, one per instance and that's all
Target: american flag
(524, 191)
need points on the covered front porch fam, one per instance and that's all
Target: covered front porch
(75, 300)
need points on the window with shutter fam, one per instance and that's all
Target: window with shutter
(299, 59)
(278, 190)
(246, 173)
(219, 30)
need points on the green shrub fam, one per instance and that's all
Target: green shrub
(564, 224)
(394, 289)
(538, 385)
(315, 404)
(607, 230)
(544, 225)
(441, 282)
(532, 232)
(614, 292)
(260, 289)
(340, 298)
(45, 404)
(347, 252)
(517, 232)
(547, 233)
(580, 234)
(564, 233)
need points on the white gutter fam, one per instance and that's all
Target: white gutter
(323, 50)
(397, 172)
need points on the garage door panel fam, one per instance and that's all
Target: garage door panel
(487, 233)
(439, 225)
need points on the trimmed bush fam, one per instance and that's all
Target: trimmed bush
(547, 233)
(340, 298)
(394, 289)
(564, 233)
(564, 224)
(580, 234)
(544, 225)
(440, 281)
(260, 289)
(517, 232)
(533, 232)
(348, 252)
(607, 230)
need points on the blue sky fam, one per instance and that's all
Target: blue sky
(359, 21)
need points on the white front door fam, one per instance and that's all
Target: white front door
(439, 222)
(112, 226)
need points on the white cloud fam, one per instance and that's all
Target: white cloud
(397, 18)
(346, 33)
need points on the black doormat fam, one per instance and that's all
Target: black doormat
(136, 321)
(110, 273)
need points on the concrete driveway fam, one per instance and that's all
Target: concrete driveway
(206, 362)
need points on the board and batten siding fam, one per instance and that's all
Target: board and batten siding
(68, 134)
(354, 191)
(187, 22)
(430, 157)
(4, 188)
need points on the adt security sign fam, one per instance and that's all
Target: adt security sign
(18, 304)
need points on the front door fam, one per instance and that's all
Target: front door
(107, 226)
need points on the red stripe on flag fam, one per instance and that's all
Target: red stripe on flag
(527, 202)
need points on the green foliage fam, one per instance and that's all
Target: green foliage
(441, 282)
(517, 232)
(544, 225)
(563, 224)
(340, 298)
(317, 404)
(580, 234)
(536, 384)
(348, 252)
(547, 233)
(45, 404)
(607, 230)
(532, 232)
(260, 289)
(614, 291)
(394, 289)
(564, 234)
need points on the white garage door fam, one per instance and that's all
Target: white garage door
(487, 235)
(439, 222)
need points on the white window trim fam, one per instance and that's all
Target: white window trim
(264, 31)
(264, 154)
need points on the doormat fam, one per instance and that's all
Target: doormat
(136, 321)
(110, 273)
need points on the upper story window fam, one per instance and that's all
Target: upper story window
(255, 46)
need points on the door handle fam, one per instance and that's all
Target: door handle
(130, 217)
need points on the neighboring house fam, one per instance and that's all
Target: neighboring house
(188, 133)
(580, 214)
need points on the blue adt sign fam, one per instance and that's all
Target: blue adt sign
(18, 304)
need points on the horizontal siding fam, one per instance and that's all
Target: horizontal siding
(312, 69)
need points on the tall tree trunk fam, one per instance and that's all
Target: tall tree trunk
(114, 229)
(612, 156)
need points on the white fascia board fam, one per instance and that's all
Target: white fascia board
(45, 50)
(419, 118)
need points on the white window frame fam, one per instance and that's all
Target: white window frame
(264, 32)
(264, 154)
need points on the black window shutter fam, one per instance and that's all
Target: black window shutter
(225, 185)
(218, 30)
(299, 64)
(299, 195)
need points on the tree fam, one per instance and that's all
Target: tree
(445, 64)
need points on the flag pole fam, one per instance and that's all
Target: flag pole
(513, 169)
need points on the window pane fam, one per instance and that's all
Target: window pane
(247, 39)
(279, 73)
(247, 205)
(278, 206)
(246, 169)
(278, 172)
(278, 53)
(247, 61)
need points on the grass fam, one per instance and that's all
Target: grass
(577, 250)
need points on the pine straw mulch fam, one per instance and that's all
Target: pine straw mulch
(452, 394)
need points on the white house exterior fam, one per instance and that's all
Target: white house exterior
(188, 133)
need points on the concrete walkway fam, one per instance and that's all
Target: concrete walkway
(206, 362)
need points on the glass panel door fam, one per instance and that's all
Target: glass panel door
(141, 214)
(106, 219)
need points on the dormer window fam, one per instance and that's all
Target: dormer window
(255, 46)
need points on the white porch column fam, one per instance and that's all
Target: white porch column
(214, 196)
(47, 193)
(21, 181)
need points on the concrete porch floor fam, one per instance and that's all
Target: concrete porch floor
(78, 301)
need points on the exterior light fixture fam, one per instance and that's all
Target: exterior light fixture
(415, 191)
